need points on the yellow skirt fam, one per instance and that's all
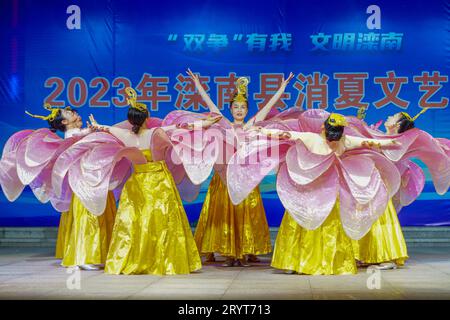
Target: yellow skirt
(88, 236)
(384, 242)
(152, 234)
(326, 250)
(230, 230)
(62, 235)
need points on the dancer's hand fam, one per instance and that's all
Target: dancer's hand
(94, 126)
(209, 121)
(193, 76)
(280, 135)
(286, 81)
(284, 135)
(371, 144)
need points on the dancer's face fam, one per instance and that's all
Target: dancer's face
(239, 110)
(71, 119)
(391, 124)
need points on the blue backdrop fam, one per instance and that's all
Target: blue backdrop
(391, 57)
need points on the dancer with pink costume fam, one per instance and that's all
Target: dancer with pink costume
(384, 245)
(234, 231)
(29, 158)
(151, 234)
(332, 185)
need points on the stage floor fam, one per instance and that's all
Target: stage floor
(33, 273)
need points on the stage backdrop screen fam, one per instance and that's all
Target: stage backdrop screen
(388, 56)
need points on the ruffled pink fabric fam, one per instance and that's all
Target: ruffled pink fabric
(94, 165)
(35, 168)
(312, 120)
(191, 155)
(309, 205)
(415, 143)
(251, 163)
(33, 159)
(309, 184)
(9, 180)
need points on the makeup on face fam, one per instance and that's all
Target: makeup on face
(73, 118)
(239, 110)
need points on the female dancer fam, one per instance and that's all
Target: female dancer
(329, 191)
(87, 236)
(231, 230)
(151, 234)
(83, 238)
(384, 245)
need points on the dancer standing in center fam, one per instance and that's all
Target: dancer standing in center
(234, 231)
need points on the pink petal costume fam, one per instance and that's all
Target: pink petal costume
(92, 168)
(385, 242)
(329, 196)
(229, 230)
(28, 159)
(151, 233)
(233, 230)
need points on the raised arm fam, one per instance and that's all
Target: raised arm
(200, 124)
(357, 142)
(264, 111)
(211, 105)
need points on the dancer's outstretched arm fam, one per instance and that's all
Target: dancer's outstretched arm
(305, 137)
(211, 105)
(262, 114)
(204, 123)
(314, 141)
(352, 142)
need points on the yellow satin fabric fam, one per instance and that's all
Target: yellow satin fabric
(62, 235)
(384, 242)
(88, 236)
(230, 230)
(152, 233)
(326, 250)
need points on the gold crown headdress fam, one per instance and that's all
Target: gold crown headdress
(241, 86)
(336, 119)
(361, 113)
(132, 100)
(54, 111)
(407, 116)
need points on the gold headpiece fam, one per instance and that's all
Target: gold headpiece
(361, 113)
(53, 112)
(132, 100)
(336, 119)
(407, 116)
(241, 86)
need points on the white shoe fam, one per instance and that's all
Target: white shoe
(289, 271)
(386, 266)
(89, 267)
